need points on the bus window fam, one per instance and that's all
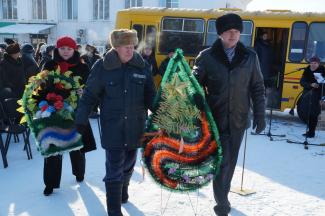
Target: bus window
(297, 44)
(245, 36)
(184, 33)
(151, 33)
(139, 29)
(211, 33)
(316, 41)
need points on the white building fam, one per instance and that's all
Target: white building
(89, 21)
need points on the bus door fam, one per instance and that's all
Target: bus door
(271, 47)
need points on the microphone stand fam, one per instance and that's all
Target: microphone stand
(269, 133)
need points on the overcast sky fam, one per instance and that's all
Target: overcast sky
(294, 5)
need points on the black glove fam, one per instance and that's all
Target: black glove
(81, 128)
(259, 123)
(199, 101)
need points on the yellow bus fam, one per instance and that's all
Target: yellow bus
(294, 37)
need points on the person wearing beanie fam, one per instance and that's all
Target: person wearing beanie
(66, 58)
(123, 85)
(12, 76)
(312, 94)
(232, 77)
(27, 56)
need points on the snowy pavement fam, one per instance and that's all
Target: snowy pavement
(287, 179)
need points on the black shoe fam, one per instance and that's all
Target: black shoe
(222, 210)
(47, 191)
(309, 134)
(79, 178)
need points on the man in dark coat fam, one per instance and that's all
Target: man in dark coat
(265, 54)
(12, 76)
(123, 84)
(231, 75)
(27, 56)
(314, 90)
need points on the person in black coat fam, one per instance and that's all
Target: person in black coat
(266, 58)
(231, 76)
(164, 63)
(91, 55)
(67, 58)
(47, 55)
(148, 55)
(12, 75)
(27, 56)
(123, 84)
(3, 47)
(315, 91)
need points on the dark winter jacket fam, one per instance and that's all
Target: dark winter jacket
(125, 92)
(311, 96)
(163, 66)
(308, 78)
(45, 58)
(30, 66)
(12, 75)
(151, 60)
(231, 86)
(265, 55)
(82, 70)
(90, 60)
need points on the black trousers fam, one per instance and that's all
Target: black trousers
(53, 168)
(230, 142)
(119, 164)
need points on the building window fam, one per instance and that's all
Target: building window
(101, 9)
(8, 9)
(70, 9)
(39, 9)
(133, 3)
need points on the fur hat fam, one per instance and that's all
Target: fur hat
(13, 48)
(122, 37)
(66, 41)
(229, 21)
(314, 59)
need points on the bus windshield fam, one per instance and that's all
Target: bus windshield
(316, 41)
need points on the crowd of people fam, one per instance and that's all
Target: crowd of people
(121, 83)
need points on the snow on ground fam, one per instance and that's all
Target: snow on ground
(287, 179)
